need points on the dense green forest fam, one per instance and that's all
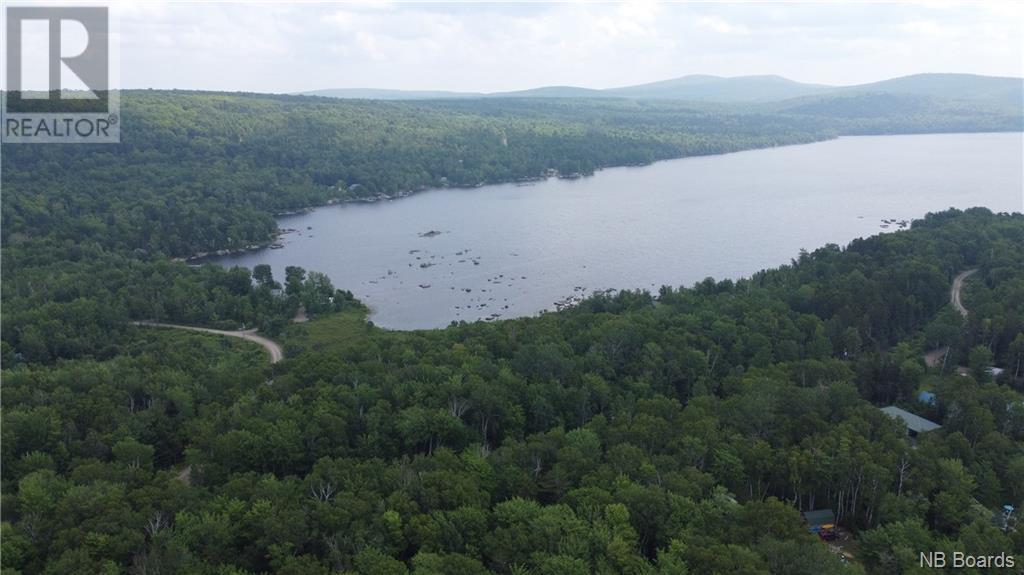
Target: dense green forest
(199, 172)
(676, 432)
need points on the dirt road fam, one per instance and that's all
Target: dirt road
(936, 356)
(276, 354)
(954, 292)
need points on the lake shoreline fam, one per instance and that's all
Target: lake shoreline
(528, 180)
(196, 259)
(516, 249)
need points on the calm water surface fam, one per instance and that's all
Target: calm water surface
(512, 250)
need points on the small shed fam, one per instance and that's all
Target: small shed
(915, 423)
(820, 519)
(927, 397)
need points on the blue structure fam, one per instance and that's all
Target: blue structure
(1007, 513)
(927, 397)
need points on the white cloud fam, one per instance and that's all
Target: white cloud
(721, 26)
(492, 47)
(933, 29)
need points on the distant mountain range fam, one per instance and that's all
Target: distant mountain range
(384, 94)
(1002, 91)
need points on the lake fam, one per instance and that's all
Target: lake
(511, 250)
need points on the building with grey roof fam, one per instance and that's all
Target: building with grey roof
(915, 423)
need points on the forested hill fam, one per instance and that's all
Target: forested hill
(202, 171)
(983, 90)
(198, 171)
(676, 433)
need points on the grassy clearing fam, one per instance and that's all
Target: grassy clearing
(326, 333)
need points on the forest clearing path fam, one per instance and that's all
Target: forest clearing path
(276, 353)
(955, 291)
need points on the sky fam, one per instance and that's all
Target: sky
(488, 47)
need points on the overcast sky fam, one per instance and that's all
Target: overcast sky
(493, 47)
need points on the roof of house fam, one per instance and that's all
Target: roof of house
(913, 422)
(820, 517)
